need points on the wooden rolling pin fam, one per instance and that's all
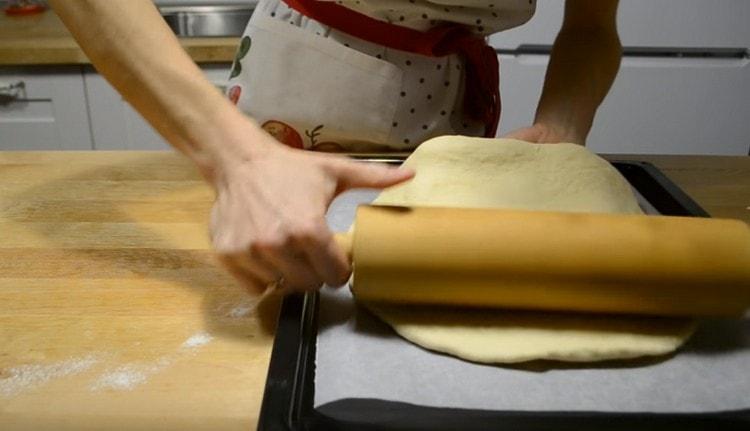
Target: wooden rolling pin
(554, 261)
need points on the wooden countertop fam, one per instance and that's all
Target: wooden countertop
(720, 184)
(114, 313)
(43, 39)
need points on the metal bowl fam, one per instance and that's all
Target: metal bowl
(207, 21)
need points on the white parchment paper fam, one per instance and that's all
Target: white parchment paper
(358, 356)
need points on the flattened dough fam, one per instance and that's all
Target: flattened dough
(457, 171)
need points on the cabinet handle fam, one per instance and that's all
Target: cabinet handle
(11, 91)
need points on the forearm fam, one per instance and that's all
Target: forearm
(584, 62)
(131, 45)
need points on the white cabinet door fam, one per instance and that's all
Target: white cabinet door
(43, 109)
(117, 126)
(683, 87)
(648, 23)
(656, 106)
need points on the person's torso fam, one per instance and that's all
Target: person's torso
(314, 87)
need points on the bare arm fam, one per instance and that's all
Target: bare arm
(131, 45)
(268, 220)
(584, 62)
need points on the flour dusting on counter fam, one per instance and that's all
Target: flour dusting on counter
(241, 310)
(29, 376)
(128, 376)
(238, 310)
(124, 378)
(198, 340)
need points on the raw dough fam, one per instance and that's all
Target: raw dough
(519, 336)
(476, 172)
(457, 171)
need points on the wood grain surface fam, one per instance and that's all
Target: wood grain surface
(114, 313)
(720, 184)
(43, 39)
(105, 275)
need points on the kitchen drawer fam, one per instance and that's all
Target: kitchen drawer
(43, 109)
(117, 126)
(656, 106)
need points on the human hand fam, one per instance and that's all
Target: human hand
(540, 133)
(268, 221)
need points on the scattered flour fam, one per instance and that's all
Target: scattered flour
(197, 340)
(123, 378)
(28, 376)
(128, 376)
(241, 310)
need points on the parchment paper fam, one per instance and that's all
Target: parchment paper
(358, 356)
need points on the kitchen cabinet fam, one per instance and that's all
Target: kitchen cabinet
(648, 23)
(115, 125)
(683, 87)
(678, 106)
(43, 109)
(74, 108)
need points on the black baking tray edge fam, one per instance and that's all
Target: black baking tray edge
(290, 384)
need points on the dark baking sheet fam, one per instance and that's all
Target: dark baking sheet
(289, 400)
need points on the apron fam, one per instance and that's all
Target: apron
(313, 87)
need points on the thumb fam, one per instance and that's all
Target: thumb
(369, 175)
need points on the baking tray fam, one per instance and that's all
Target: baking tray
(288, 402)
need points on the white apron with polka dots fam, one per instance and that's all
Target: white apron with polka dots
(313, 87)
